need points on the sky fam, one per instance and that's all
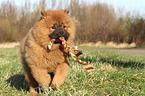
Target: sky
(126, 5)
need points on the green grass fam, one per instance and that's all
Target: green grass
(115, 74)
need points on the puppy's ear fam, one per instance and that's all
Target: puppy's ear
(43, 13)
(66, 11)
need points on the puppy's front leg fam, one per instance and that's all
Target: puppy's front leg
(60, 75)
(41, 76)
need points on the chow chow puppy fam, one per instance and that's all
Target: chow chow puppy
(42, 66)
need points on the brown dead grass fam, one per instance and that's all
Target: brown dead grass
(9, 45)
(109, 45)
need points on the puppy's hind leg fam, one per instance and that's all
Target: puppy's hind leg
(32, 83)
(60, 75)
(30, 79)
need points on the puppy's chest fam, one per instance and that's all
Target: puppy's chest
(55, 57)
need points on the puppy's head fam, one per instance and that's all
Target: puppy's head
(58, 24)
(59, 31)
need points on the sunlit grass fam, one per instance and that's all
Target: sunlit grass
(114, 74)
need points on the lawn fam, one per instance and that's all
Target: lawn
(114, 74)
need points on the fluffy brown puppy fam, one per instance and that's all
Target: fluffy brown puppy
(38, 62)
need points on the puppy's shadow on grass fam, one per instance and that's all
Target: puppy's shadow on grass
(125, 64)
(18, 81)
(117, 63)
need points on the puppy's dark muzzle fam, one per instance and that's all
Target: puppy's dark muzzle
(57, 33)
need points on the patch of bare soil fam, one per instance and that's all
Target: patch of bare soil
(138, 51)
(9, 45)
(111, 46)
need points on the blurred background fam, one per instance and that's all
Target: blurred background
(95, 20)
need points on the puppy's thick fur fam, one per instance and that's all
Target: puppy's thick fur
(38, 62)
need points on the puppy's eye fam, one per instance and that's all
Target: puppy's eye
(53, 27)
(64, 26)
